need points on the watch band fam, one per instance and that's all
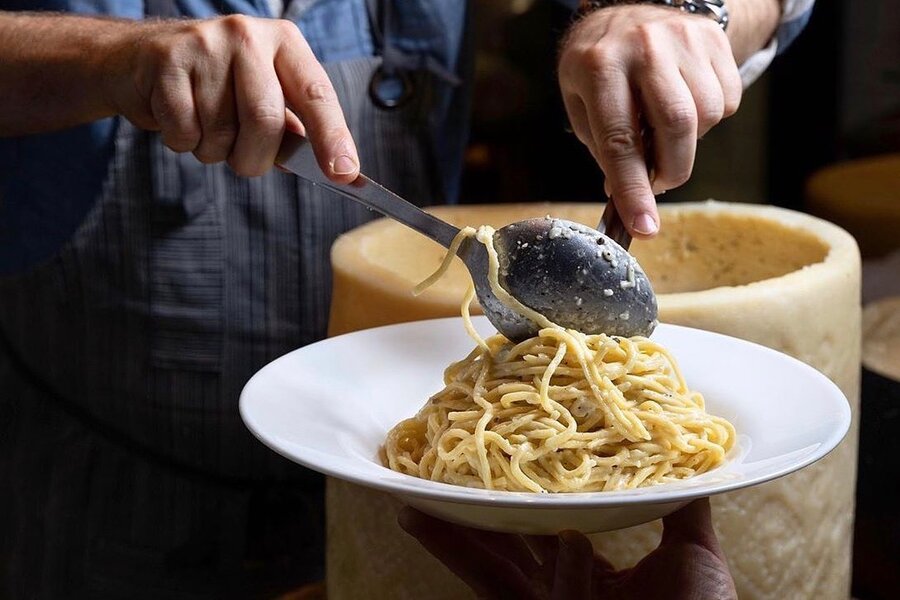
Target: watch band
(714, 9)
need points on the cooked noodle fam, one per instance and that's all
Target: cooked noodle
(560, 412)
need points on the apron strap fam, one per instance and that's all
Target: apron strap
(391, 85)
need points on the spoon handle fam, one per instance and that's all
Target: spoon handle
(611, 224)
(296, 155)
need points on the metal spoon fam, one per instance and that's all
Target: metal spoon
(572, 274)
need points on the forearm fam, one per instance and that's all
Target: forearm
(52, 68)
(752, 25)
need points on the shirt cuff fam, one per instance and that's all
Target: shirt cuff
(794, 17)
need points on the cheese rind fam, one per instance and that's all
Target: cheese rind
(779, 278)
(881, 345)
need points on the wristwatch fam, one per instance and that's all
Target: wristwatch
(715, 9)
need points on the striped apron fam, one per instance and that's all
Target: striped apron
(125, 471)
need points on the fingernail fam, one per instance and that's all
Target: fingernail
(644, 224)
(343, 165)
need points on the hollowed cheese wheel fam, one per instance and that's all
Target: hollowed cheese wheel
(779, 278)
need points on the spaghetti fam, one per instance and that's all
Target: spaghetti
(559, 412)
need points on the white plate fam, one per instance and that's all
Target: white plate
(328, 406)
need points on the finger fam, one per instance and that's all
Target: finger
(510, 546)
(488, 574)
(292, 123)
(573, 567)
(709, 98)
(544, 547)
(173, 109)
(730, 80)
(260, 111)
(614, 125)
(578, 119)
(214, 96)
(309, 93)
(670, 112)
(692, 524)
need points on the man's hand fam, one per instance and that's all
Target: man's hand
(630, 69)
(225, 89)
(688, 563)
(221, 89)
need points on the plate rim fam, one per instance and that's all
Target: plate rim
(450, 493)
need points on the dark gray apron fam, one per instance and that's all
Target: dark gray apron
(125, 471)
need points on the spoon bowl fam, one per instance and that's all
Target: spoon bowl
(575, 276)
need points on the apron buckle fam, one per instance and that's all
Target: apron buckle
(391, 90)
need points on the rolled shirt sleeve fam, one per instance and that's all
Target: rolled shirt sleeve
(794, 17)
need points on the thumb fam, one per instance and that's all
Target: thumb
(692, 524)
(574, 562)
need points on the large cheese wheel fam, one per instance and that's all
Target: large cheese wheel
(862, 196)
(776, 277)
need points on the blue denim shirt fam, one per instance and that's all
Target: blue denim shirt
(49, 182)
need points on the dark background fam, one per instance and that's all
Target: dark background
(802, 115)
(832, 97)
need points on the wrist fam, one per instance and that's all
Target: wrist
(112, 61)
(753, 24)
